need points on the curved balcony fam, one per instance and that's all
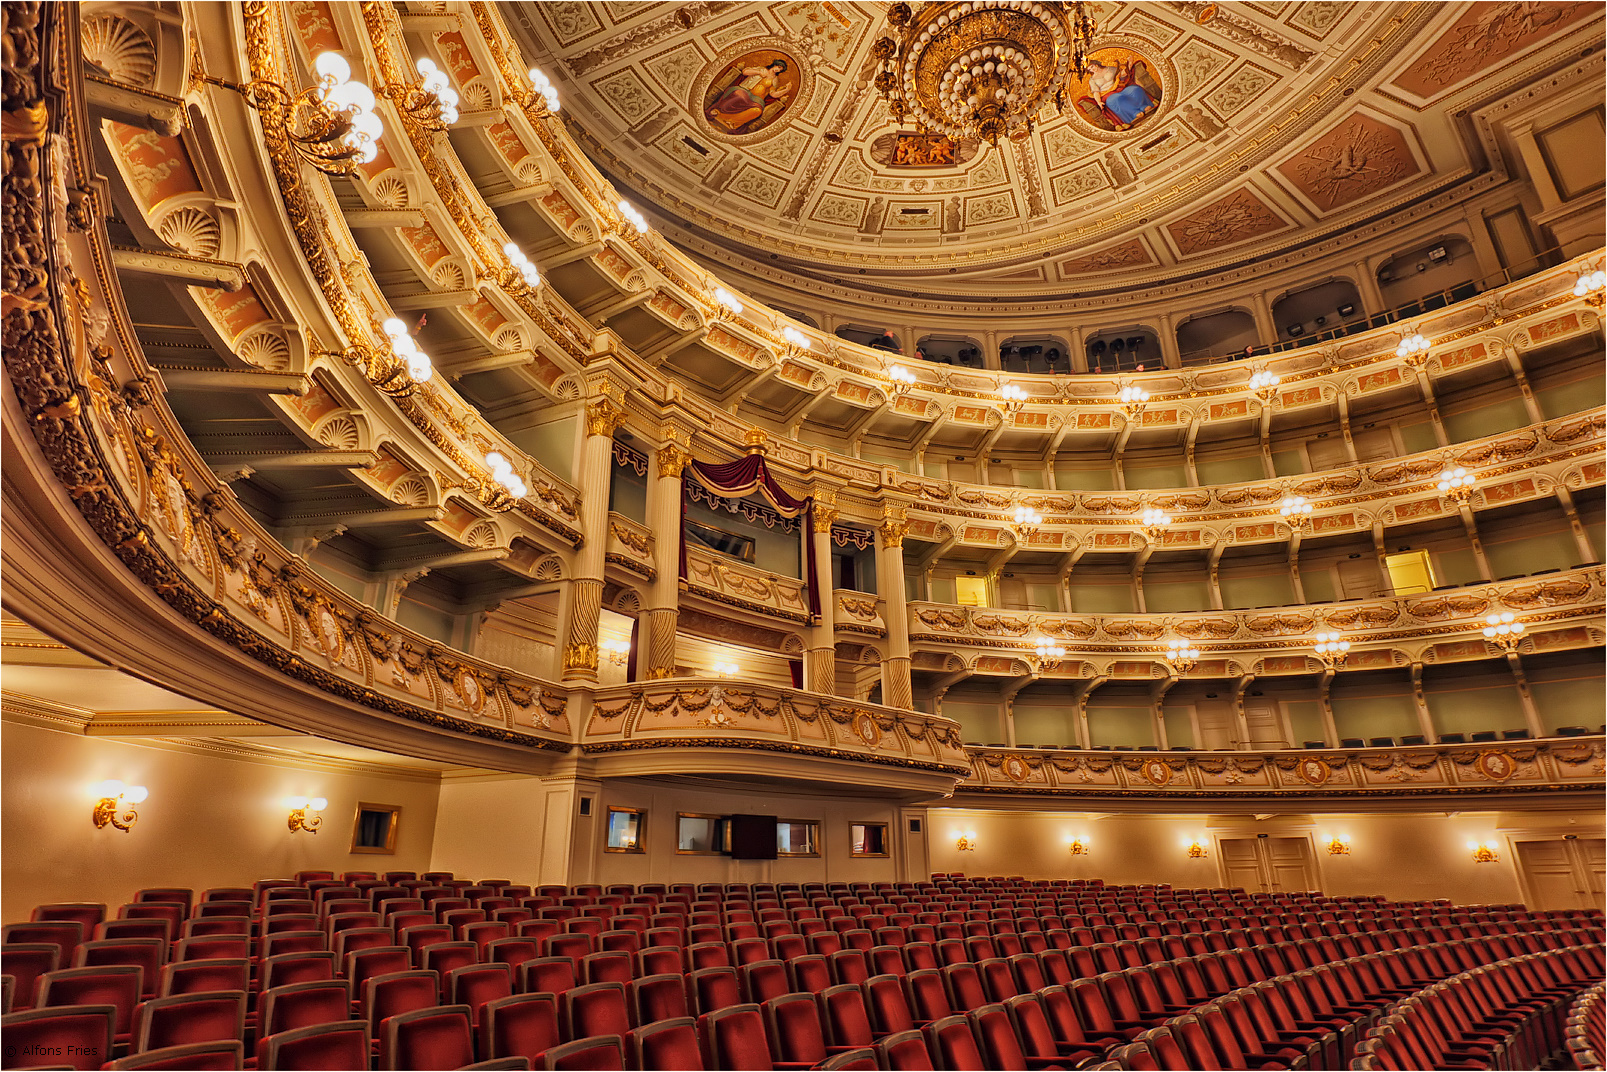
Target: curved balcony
(1503, 772)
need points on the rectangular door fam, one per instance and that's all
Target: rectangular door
(1592, 855)
(1289, 861)
(1266, 728)
(1216, 724)
(1358, 578)
(1550, 874)
(1269, 864)
(1241, 865)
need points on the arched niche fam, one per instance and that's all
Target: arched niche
(959, 350)
(1214, 335)
(1429, 275)
(1035, 353)
(1317, 309)
(1124, 349)
(865, 334)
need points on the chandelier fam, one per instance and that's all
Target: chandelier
(980, 68)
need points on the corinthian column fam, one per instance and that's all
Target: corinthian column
(890, 586)
(820, 668)
(657, 636)
(578, 657)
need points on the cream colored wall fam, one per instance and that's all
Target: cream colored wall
(1408, 857)
(661, 863)
(491, 828)
(210, 820)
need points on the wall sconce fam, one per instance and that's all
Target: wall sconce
(1263, 383)
(332, 126)
(618, 651)
(1590, 285)
(1014, 398)
(1295, 510)
(1483, 852)
(433, 103)
(1132, 400)
(304, 813)
(1332, 649)
(116, 804)
(504, 476)
(728, 303)
(1075, 845)
(1339, 845)
(543, 87)
(635, 218)
(1413, 349)
(521, 270)
(903, 379)
(1456, 483)
(966, 842)
(1195, 848)
(724, 669)
(1154, 523)
(1027, 521)
(1047, 653)
(1504, 630)
(1181, 656)
(797, 339)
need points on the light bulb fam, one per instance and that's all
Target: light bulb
(332, 67)
(136, 794)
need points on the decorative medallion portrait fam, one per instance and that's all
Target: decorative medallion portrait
(1121, 90)
(330, 637)
(1496, 766)
(866, 730)
(469, 691)
(751, 93)
(1016, 769)
(1156, 772)
(1314, 771)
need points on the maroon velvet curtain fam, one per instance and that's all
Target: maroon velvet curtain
(743, 477)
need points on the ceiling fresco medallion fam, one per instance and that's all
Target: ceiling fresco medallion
(1123, 90)
(751, 92)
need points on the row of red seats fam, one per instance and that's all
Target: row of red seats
(1587, 1024)
(1508, 1015)
(1310, 1018)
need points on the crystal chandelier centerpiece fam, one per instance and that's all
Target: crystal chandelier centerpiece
(980, 68)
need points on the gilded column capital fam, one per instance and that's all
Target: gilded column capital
(603, 416)
(826, 512)
(892, 530)
(672, 458)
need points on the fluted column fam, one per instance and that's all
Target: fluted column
(656, 636)
(578, 657)
(820, 667)
(890, 585)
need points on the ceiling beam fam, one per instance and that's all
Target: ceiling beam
(179, 267)
(312, 459)
(249, 381)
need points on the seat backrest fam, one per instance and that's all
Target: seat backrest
(223, 1055)
(763, 980)
(436, 1037)
(658, 997)
(384, 996)
(793, 1027)
(904, 1050)
(520, 1025)
(844, 1016)
(952, 1044)
(65, 934)
(928, 997)
(671, 1043)
(603, 1052)
(117, 985)
(201, 976)
(477, 984)
(594, 1009)
(181, 1019)
(996, 1035)
(734, 1037)
(888, 1004)
(809, 973)
(90, 914)
(297, 1005)
(80, 1034)
(334, 1045)
(552, 975)
(301, 967)
(714, 988)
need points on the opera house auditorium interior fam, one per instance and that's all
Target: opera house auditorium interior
(629, 534)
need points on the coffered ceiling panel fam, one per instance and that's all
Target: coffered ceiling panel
(1273, 124)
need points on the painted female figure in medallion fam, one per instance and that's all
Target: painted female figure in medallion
(751, 93)
(1119, 92)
